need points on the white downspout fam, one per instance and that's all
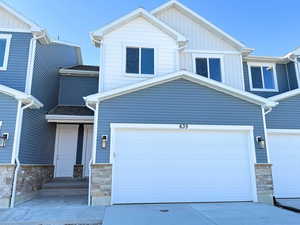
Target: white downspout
(16, 148)
(92, 160)
(264, 113)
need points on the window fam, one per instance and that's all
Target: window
(262, 77)
(4, 50)
(140, 61)
(209, 67)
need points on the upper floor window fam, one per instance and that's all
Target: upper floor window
(209, 66)
(262, 77)
(4, 50)
(140, 61)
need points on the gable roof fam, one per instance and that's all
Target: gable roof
(285, 95)
(98, 34)
(255, 99)
(211, 27)
(35, 29)
(20, 96)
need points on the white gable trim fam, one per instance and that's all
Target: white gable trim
(209, 25)
(32, 25)
(37, 31)
(184, 75)
(20, 96)
(98, 34)
(285, 95)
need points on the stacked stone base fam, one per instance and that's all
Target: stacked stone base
(264, 183)
(6, 183)
(102, 177)
(30, 180)
(78, 171)
(101, 184)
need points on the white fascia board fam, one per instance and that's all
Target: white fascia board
(98, 34)
(32, 25)
(37, 31)
(69, 119)
(285, 95)
(212, 27)
(255, 99)
(70, 72)
(268, 59)
(25, 98)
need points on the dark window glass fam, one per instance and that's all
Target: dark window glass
(2, 51)
(132, 60)
(268, 77)
(256, 77)
(201, 67)
(147, 62)
(215, 69)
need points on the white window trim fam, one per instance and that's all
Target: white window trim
(274, 77)
(208, 56)
(7, 37)
(139, 46)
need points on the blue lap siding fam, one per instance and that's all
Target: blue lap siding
(176, 102)
(8, 115)
(73, 89)
(38, 136)
(285, 115)
(286, 80)
(15, 75)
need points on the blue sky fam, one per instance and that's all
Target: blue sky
(272, 27)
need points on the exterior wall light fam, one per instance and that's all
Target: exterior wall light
(103, 141)
(3, 139)
(261, 142)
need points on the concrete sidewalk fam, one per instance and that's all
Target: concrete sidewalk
(200, 214)
(54, 210)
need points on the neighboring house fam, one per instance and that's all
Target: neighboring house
(181, 113)
(29, 87)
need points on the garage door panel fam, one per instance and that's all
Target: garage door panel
(181, 166)
(180, 142)
(285, 158)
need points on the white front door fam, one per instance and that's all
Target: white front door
(284, 149)
(87, 148)
(65, 149)
(201, 164)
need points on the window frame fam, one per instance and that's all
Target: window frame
(139, 46)
(7, 37)
(261, 65)
(208, 56)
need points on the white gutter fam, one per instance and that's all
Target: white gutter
(16, 148)
(93, 157)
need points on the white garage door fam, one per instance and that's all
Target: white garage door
(284, 148)
(200, 164)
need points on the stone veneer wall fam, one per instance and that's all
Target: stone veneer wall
(6, 182)
(264, 183)
(101, 184)
(78, 171)
(30, 180)
(102, 177)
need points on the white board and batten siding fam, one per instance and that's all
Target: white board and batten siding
(137, 33)
(204, 41)
(10, 22)
(178, 165)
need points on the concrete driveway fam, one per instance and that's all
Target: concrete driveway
(200, 214)
(291, 203)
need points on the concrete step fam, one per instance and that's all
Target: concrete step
(63, 192)
(66, 185)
